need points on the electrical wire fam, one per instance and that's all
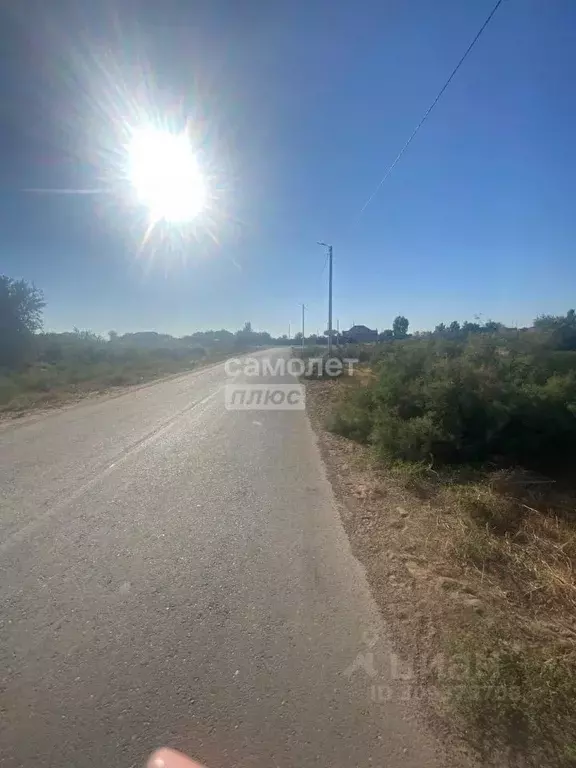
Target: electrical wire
(430, 108)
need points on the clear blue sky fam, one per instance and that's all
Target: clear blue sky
(301, 107)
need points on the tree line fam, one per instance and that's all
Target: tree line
(38, 368)
(23, 343)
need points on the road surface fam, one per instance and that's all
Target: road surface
(176, 573)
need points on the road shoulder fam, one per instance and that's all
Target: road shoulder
(411, 602)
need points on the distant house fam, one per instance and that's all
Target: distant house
(360, 334)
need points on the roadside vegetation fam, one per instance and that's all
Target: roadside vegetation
(39, 369)
(464, 501)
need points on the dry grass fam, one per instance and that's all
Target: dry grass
(517, 702)
(34, 392)
(510, 538)
(528, 550)
(42, 388)
(480, 568)
(365, 375)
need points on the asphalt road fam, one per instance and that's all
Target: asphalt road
(176, 573)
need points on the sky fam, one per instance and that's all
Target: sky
(297, 109)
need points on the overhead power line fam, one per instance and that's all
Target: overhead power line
(430, 108)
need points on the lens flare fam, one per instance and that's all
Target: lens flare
(164, 172)
(153, 165)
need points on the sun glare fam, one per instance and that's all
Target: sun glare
(165, 174)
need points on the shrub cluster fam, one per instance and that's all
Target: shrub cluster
(460, 401)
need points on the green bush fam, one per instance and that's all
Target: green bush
(466, 401)
(354, 419)
(8, 389)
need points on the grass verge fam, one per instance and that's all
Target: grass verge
(50, 386)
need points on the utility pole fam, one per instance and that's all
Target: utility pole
(303, 310)
(329, 300)
(289, 331)
(329, 295)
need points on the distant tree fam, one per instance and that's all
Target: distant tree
(454, 327)
(548, 322)
(559, 329)
(491, 326)
(245, 333)
(468, 328)
(21, 306)
(552, 322)
(212, 337)
(400, 327)
(88, 335)
(386, 335)
(113, 335)
(261, 337)
(440, 329)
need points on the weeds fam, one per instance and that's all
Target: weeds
(519, 701)
(321, 364)
(514, 540)
(353, 417)
(45, 384)
(53, 383)
(462, 402)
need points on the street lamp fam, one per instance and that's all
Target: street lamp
(329, 247)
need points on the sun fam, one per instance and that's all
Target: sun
(164, 171)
